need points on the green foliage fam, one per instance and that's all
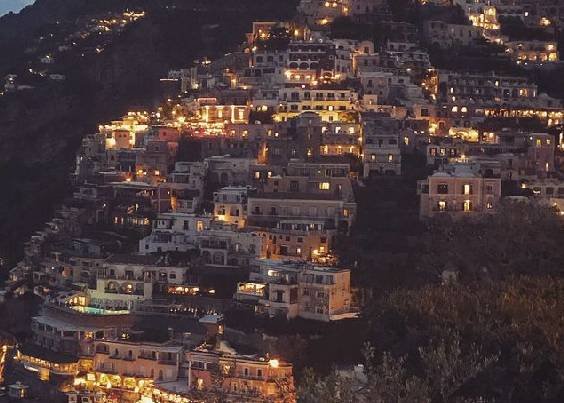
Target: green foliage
(521, 238)
(515, 29)
(511, 331)
(345, 27)
(462, 343)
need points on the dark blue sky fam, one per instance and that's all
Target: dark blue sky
(13, 5)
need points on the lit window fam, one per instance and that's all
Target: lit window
(467, 205)
(442, 205)
(324, 186)
(390, 157)
(467, 189)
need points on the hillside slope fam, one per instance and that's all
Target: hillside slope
(40, 129)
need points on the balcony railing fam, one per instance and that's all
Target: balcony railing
(122, 277)
(167, 362)
(123, 292)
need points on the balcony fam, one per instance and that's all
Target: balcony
(102, 351)
(457, 209)
(123, 277)
(251, 289)
(214, 245)
(167, 362)
(107, 369)
(123, 292)
(242, 375)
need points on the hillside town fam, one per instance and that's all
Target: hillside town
(227, 205)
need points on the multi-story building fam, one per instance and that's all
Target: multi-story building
(239, 378)
(174, 232)
(318, 14)
(295, 229)
(126, 280)
(268, 210)
(134, 204)
(153, 162)
(443, 153)
(71, 265)
(460, 88)
(297, 289)
(544, 13)
(186, 184)
(409, 56)
(328, 103)
(547, 189)
(230, 205)
(67, 323)
(227, 246)
(458, 190)
(445, 35)
(367, 10)
(132, 356)
(229, 171)
(212, 115)
(125, 133)
(535, 52)
(313, 178)
(540, 154)
(381, 148)
(377, 83)
(341, 139)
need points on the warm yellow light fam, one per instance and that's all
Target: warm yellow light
(544, 22)
(274, 363)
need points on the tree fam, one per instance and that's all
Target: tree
(521, 238)
(502, 340)
(390, 382)
(449, 367)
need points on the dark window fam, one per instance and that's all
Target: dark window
(442, 189)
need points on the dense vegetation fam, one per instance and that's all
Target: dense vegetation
(493, 331)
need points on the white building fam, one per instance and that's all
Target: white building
(174, 232)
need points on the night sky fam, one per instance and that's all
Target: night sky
(13, 5)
